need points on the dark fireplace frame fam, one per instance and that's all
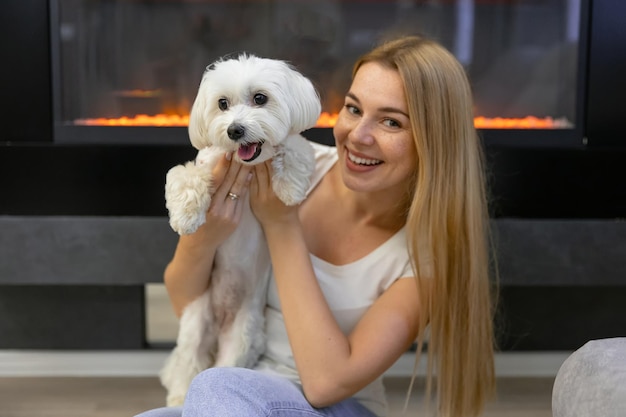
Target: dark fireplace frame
(533, 174)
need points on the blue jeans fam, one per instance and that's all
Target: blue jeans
(239, 392)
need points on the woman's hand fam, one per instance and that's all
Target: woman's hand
(266, 206)
(188, 274)
(231, 182)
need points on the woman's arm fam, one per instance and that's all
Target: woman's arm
(332, 366)
(187, 275)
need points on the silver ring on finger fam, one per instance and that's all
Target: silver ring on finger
(232, 196)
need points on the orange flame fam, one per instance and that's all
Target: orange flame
(327, 120)
(528, 122)
(138, 120)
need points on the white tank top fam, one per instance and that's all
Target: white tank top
(349, 289)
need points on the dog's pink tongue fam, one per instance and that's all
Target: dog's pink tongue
(246, 152)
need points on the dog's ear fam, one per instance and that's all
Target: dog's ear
(227, 57)
(305, 104)
(198, 123)
(198, 117)
(198, 127)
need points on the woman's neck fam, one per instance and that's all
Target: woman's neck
(384, 209)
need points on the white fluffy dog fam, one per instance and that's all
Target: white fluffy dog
(255, 108)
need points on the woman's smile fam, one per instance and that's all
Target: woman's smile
(361, 161)
(373, 133)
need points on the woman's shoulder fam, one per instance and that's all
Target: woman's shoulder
(325, 158)
(324, 152)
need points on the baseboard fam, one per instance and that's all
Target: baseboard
(147, 363)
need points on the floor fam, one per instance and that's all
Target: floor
(126, 396)
(71, 384)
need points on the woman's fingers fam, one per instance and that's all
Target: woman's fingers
(262, 173)
(261, 188)
(231, 182)
(220, 169)
(241, 183)
(227, 171)
(229, 176)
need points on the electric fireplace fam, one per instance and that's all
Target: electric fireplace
(127, 71)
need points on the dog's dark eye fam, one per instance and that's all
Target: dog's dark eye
(260, 99)
(222, 104)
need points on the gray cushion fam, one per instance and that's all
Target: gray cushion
(592, 381)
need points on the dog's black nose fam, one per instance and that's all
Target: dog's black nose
(235, 131)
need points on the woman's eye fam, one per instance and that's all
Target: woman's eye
(222, 104)
(352, 110)
(259, 99)
(391, 123)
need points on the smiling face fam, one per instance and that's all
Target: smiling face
(242, 121)
(373, 133)
(248, 105)
(244, 109)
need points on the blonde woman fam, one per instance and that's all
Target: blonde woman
(392, 238)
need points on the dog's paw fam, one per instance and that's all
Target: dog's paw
(293, 167)
(290, 185)
(289, 193)
(186, 224)
(187, 197)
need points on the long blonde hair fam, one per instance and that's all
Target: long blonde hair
(447, 224)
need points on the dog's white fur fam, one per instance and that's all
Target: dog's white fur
(261, 101)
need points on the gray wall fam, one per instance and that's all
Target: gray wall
(134, 250)
(56, 270)
(84, 250)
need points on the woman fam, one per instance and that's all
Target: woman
(392, 237)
